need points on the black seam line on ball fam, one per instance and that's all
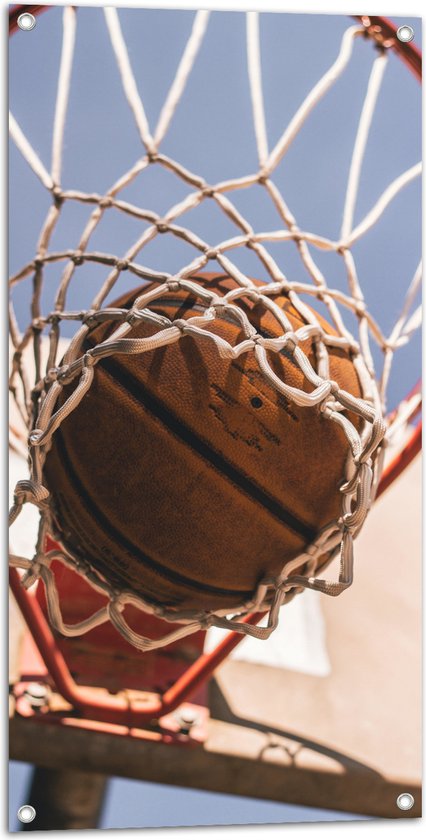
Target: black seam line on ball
(145, 398)
(109, 529)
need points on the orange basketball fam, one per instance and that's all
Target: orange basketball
(186, 477)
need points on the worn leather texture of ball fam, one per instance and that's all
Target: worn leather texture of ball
(187, 478)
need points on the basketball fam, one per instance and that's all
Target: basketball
(186, 477)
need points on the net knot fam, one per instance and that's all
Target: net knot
(181, 324)
(206, 621)
(89, 318)
(253, 295)
(263, 176)
(334, 388)
(37, 325)
(77, 257)
(52, 375)
(54, 318)
(122, 265)
(208, 191)
(211, 253)
(64, 375)
(29, 491)
(217, 309)
(283, 585)
(34, 436)
(361, 459)
(105, 202)
(38, 262)
(162, 226)
(133, 316)
(292, 341)
(326, 409)
(118, 600)
(58, 198)
(173, 284)
(88, 360)
(284, 287)
(32, 575)
(360, 308)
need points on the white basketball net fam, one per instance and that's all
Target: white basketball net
(78, 367)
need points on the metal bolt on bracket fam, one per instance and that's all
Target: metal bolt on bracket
(37, 695)
(186, 718)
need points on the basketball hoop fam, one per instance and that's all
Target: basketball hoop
(48, 386)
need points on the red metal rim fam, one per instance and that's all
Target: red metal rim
(383, 31)
(109, 708)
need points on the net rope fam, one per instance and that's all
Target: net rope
(37, 400)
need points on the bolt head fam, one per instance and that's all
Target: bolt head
(187, 717)
(37, 694)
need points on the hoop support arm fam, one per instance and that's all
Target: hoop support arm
(402, 460)
(114, 709)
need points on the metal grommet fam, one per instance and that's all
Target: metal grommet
(26, 21)
(405, 801)
(26, 813)
(405, 33)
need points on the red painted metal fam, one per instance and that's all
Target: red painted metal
(402, 460)
(115, 709)
(79, 600)
(19, 9)
(412, 447)
(383, 30)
